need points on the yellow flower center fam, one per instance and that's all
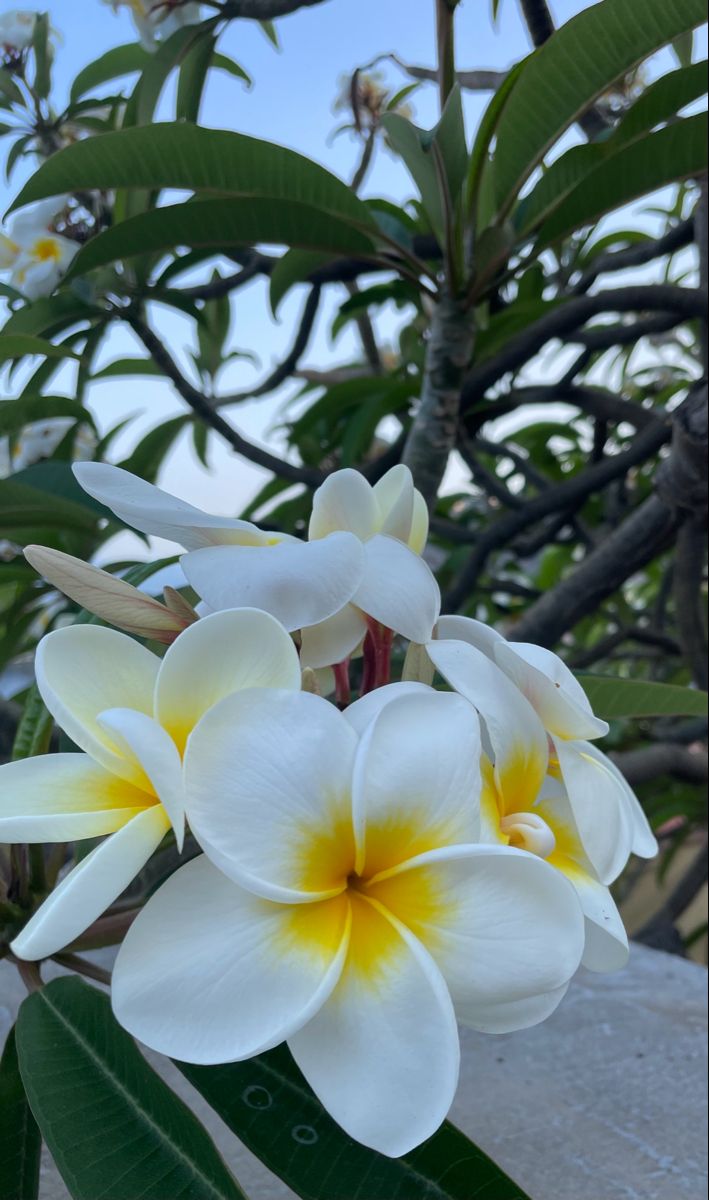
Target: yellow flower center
(46, 250)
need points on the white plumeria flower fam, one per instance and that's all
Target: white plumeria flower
(344, 904)
(16, 30)
(584, 820)
(131, 713)
(398, 590)
(36, 257)
(159, 19)
(233, 563)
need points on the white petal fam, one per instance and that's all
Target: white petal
(221, 654)
(92, 886)
(394, 494)
(333, 640)
(157, 754)
(516, 733)
(419, 524)
(644, 842)
(599, 805)
(363, 711)
(416, 780)
(503, 926)
(299, 583)
(382, 1054)
(268, 777)
(555, 695)
(398, 589)
(606, 940)
(36, 220)
(62, 798)
(475, 633)
(84, 669)
(345, 501)
(147, 508)
(209, 973)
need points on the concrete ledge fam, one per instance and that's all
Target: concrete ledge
(605, 1101)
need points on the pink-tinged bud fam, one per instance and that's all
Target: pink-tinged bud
(107, 597)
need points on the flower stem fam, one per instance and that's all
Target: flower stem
(343, 691)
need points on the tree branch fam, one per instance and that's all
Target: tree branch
(203, 409)
(688, 582)
(286, 368)
(638, 255)
(565, 497)
(265, 10)
(663, 758)
(472, 81)
(563, 321)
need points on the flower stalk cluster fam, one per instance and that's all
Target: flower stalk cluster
(371, 872)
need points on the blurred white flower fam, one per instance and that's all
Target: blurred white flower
(156, 20)
(16, 30)
(36, 257)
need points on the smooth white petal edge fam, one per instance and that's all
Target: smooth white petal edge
(83, 670)
(555, 695)
(332, 641)
(63, 798)
(209, 973)
(157, 754)
(599, 806)
(267, 778)
(345, 501)
(367, 708)
(86, 892)
(299, 583)
(382, 1054)
(398, 589)
(221, 654)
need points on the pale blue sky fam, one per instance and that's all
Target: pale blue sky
(291, 102)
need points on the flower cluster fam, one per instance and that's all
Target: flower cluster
(16, 33)
(368, 874)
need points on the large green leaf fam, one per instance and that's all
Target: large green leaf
(18, 345)
(22, 506)
(114, 1128)
(193, 77)
(408, 142)
(675, 152)
(184, 156)
(270, 1107)
(50, 316)
(293, 267)
(661, 101)
(575, 66)
(120, 60)
(222, 224)
(14, 414)
(20, 1141)
(612, 698)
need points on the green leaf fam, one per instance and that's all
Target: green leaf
(42, 56)
(572, 69)
(270, 1107)
(34, 731)
(161, 63)
(121, 60)
(449, 137)
(18, 345)
(22, 506)
(15, 414)
(9, 89)
(193, 77)
(408, 142)
(479, 160)
(123, 368)
(293, 267)
(222, 224)
(114, 1128)
(49, 316)
(221, 62)
(20, 1140)
(614, 698)
(271, 33)
(184, 156)
(675, 152)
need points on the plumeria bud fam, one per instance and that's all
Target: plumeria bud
(310, 682)
(177, 604)
(418, 667)
(107, 597)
